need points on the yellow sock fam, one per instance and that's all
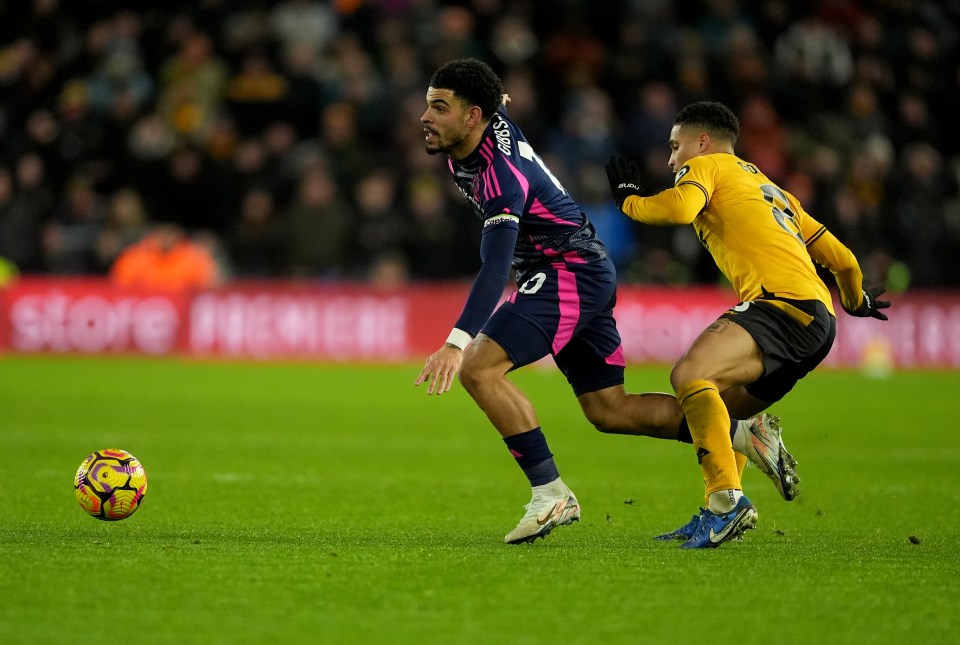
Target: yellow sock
(710, 429)
(741, 464)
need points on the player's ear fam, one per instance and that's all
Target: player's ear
(474, 116)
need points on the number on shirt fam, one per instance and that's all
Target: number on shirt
(526, 151)
(785, 217)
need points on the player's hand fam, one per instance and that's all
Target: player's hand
(625, 180)
(443, 366)
(870, 308)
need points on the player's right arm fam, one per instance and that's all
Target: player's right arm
(673, 206)
(496, 254)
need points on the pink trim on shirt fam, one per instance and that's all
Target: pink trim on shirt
(541, 211)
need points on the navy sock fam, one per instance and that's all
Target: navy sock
(533, 456)
(683, 434)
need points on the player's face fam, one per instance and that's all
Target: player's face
(445, 124)
(685, 144)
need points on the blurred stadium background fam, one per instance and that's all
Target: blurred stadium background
(281, 140)
(276, 146)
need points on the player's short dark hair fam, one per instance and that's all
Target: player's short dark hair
(473, 81)
(713, 117)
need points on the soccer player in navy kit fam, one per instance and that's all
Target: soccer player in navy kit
(566, 283)
(563, 305)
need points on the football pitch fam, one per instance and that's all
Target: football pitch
(303, 503)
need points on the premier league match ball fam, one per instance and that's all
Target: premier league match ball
(110, 484)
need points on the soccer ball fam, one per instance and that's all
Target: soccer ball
(110, 484)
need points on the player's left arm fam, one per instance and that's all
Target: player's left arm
(825, 249)
(496, 254)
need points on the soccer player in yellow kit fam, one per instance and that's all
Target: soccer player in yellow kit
(766, 245)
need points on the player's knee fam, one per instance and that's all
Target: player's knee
(606, 423)
(468, 377)
(472, 375)
(681, 375)
(605, 418)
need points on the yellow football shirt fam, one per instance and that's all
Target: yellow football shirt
(758, 234)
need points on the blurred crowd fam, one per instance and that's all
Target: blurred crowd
(282, 139)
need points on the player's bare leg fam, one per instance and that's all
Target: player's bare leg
(552, 503)
(614, 411)
(484, 377)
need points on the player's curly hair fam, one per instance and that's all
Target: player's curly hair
(713, 117)
(473, 81)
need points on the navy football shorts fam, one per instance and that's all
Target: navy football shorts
(564, 309)
(794, 335)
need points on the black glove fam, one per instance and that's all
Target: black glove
(625, 180)
(871, 306)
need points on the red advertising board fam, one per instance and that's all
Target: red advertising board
(353, 322)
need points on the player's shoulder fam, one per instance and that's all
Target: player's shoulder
(504, 135)
(728, 165)
(695, 167)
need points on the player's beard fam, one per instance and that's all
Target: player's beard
(431, 151)
(444, 143)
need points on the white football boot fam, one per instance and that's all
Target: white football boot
(552, 505)
(759, 439)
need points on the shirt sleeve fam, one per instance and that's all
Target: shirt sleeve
(693, 185)
(829, 252)
(496, 254)
(678, 205)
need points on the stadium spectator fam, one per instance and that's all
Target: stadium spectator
(120, 80)
(257, 244)
(17, 223)
(297, 23)
(69, 237)
(257, 94)
(380, 223)
(126, 224)
(191, 192)
(307, 94)
(925, 239)
(191, 86)
(25, 203)
(318, 222)
(436, 246)
(165, 260)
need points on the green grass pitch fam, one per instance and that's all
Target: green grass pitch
(339, 504)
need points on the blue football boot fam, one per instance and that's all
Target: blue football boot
(717, 528)
(685, 532)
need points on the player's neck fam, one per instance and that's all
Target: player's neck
(719, 149)
(469, 144)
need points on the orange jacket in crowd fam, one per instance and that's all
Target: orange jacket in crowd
(165, 260)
